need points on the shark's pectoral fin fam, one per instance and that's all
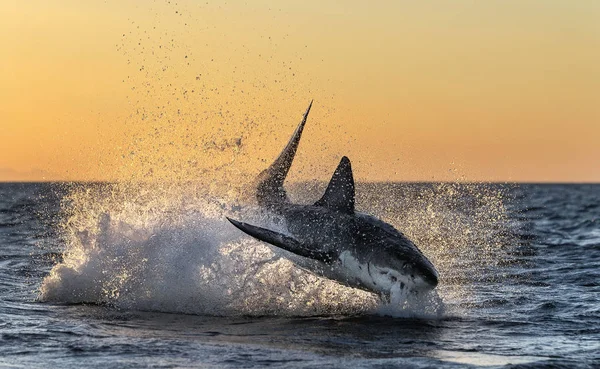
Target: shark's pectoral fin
(283, 241)
(339, 195)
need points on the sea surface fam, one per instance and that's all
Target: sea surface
(131, 276)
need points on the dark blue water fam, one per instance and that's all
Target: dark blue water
(99, 275)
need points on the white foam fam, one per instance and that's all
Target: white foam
(137, 255)
(170, 251)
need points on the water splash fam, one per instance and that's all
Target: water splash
(175, 253)
(167, 247)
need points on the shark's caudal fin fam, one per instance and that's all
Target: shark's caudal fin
(339, 195)
(283, 241)
(269, 183)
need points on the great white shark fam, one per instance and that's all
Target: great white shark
(331, 239)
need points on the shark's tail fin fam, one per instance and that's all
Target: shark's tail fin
(269, 183)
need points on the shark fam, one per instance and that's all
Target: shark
(331, 239)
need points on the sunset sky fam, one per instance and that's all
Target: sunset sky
(431, 90)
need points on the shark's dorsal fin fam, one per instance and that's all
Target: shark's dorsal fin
(269, 183)
(339, 194)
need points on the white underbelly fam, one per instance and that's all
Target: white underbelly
(335, 271)
(349, 271)
(346, 270)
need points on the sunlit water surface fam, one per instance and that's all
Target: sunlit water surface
(105, 275)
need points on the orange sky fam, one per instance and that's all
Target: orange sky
(490, 90)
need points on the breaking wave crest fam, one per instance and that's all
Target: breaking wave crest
(169, 248)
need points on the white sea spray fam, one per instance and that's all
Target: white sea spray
(170, 248)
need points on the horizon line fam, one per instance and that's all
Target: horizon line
(308, 181)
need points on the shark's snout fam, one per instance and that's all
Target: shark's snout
(430, 276)
(404, 256)
(426, 276)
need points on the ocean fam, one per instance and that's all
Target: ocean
(105, 275)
